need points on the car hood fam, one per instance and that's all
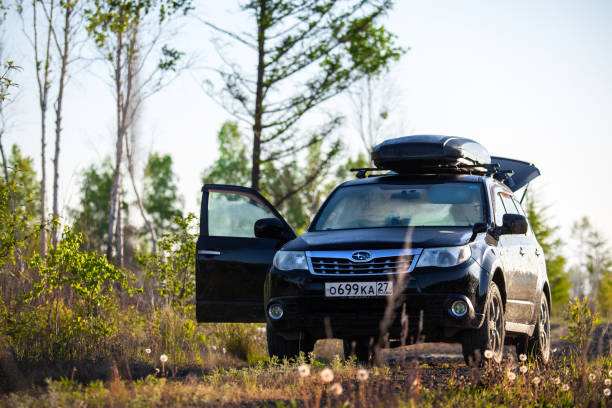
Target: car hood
(381, 238)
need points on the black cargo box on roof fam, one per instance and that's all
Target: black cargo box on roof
(431, 154)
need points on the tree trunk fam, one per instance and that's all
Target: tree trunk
(58, 119)
(147, 221)
(119, 230)
(257, 126)
(114, 193)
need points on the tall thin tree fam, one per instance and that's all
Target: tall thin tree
(305, 52)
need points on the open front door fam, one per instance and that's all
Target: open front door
(231, 262)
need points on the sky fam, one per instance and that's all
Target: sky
(530, 80)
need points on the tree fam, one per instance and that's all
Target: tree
(296, 191)
(375, 102)
(546, 233)
(306, 53)
(161, 199)
(232, 167)
(117, 28)
(41, 38)
(64, 34)
(91, 217)
(595, 262)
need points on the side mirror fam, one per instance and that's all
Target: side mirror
(514, 224)
(269, 228)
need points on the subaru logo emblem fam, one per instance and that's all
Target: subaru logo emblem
(361, 256)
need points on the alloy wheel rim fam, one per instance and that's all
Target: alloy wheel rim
(495, 326)
(544, 327)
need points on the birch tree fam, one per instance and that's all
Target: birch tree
(118, 29)
(40, 36)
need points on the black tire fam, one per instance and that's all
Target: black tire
(360, 348)
(537, 346)
(282, 348)
(490, 336)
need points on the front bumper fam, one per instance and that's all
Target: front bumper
(422, 310)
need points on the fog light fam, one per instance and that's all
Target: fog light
(459, 308)
(275, 311)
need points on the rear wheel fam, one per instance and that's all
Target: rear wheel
(537, 346)
(360, 348)
(282, 348)
(490, 336)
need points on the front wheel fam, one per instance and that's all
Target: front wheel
(537, 346)
(489, 338)
(282, 348)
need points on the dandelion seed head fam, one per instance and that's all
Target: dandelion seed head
(606, 392)
(214, 348)
(304, 370)
(523, 369)
(592, 377)
(511, 376)
(336, 389)
(536, 380)
(163, 358)
(556, 380)
(224, 350)
(610, 373)
(327, 375)
(362, 374)
(555, 350)
(522, 357)
(607, 382)
(488, 354)
(565, 387)
(148, 350)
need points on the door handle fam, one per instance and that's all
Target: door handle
(522, 251)
(537, 252)
(208, 252)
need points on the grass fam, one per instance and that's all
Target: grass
(566, 382)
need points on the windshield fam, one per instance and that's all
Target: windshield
(395, 205)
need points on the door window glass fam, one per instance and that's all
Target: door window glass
(234, 215)
(509, 204)
(519, 208)
(499, 210)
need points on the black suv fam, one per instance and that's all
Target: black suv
(435, 249)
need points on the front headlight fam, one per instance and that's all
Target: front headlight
(444, 257)
(288, 260)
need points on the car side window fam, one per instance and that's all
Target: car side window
(518, 207)
(508, 204)
(499, 210)
(234, 215)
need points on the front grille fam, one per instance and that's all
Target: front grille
(376, 266)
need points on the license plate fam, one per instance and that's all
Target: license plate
(358, 289)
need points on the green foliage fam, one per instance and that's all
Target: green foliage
(232, 166)
(91, 216)
(5, 81)
(105, 18)
(70, 312)
(161, 199)
(546, 233)
(581, 323)
(241, 341)
(172, 265)
(308, 52)
(595, 262)
(22, 173)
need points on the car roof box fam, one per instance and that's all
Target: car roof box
(430, 154)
